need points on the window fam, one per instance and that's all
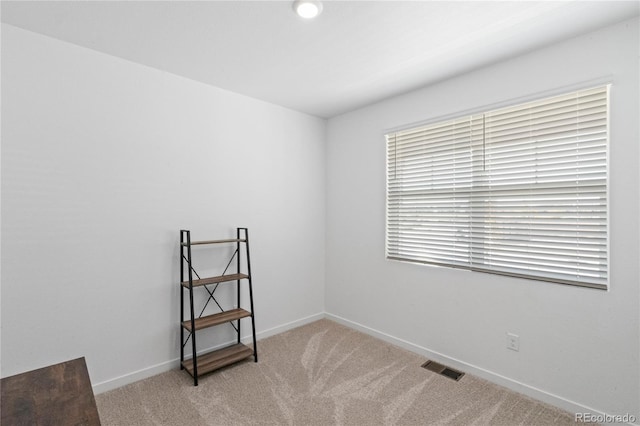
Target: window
(519, 191)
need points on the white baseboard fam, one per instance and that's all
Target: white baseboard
(144, 373)
(288, 326)
(514, 385)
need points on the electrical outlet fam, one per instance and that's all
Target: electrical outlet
(513, 342)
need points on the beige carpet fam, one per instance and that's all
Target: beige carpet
(323, 374)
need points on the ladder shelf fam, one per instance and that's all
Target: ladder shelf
(191, 322)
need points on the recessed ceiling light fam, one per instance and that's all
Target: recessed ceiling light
(307, 8)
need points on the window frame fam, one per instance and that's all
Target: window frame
(604, 84)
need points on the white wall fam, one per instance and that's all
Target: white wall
(578, 347)
(103, 161)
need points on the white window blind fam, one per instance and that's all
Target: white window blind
(520, 191)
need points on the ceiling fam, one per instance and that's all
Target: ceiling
(355, 53)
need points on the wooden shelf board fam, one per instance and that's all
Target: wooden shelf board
(231, 240)
(215, 280)
(215, 360)
(217, 319)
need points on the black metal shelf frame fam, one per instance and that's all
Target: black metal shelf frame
(187, 284)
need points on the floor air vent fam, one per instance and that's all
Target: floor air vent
(443, 369)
